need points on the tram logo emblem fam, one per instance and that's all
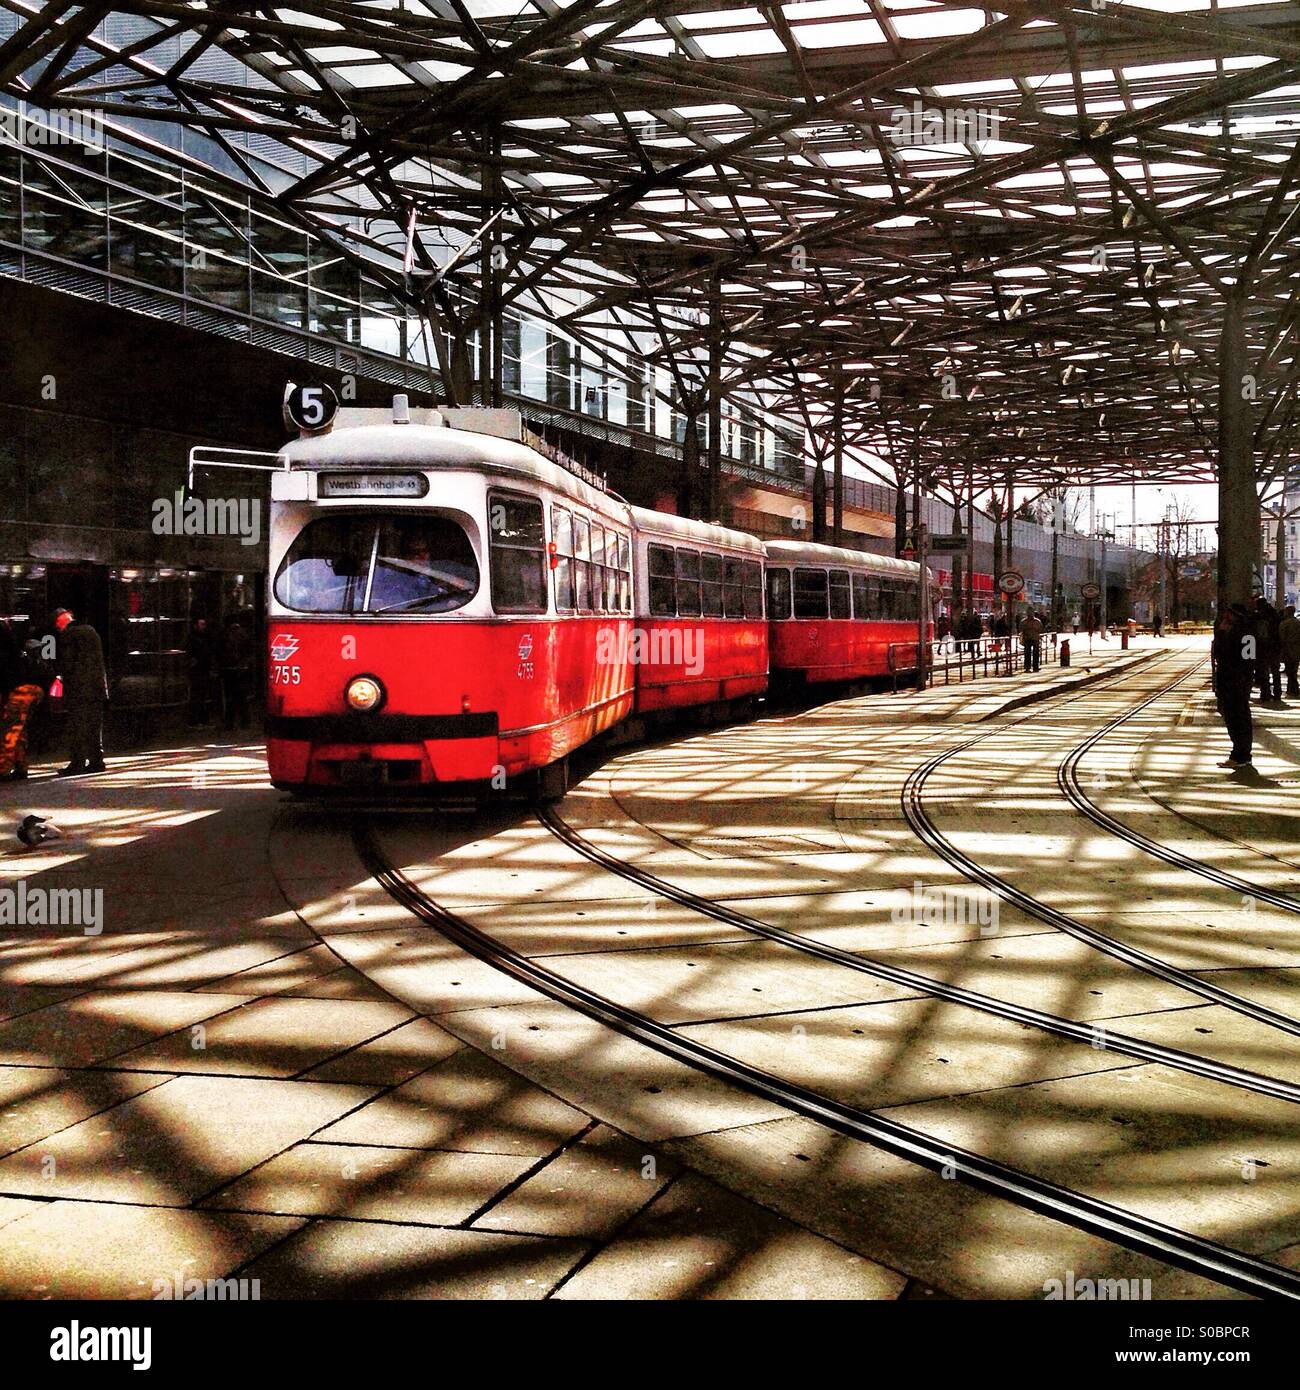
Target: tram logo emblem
(525, 646)
(283, 646)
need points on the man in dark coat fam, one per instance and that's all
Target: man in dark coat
(1031, 637)
(1288, 632)
(80, 661)
(236, 658)
(1268, 654)
(1232, 654)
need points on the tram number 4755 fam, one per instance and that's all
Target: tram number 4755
(286, 675)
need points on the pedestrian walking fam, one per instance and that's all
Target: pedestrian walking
(79, 659)
(1158, 623)
(202, 669)
(1232, 658)
(1288, 635)
(1031, 638)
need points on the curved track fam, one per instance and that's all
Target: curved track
(924, 827)
(1209, 1259)
(1068, 780)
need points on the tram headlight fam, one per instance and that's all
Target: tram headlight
(364, 694)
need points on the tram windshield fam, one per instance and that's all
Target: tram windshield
(395, 563)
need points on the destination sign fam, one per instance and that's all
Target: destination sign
(373, 485)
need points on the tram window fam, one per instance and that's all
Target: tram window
(625, 574)
(840, 602)
(582, 564)
(711, 585)
(663, 594)
(562, 536)
(354, 563)
(907, 600)
(613, 592)
(885, 599)
(597, 567)
(688, 583)
(733, 590)
(752, 573)
(518, 551)
(861, 604)
(778, 594)
(810, 594)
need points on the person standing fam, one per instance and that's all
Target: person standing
(1268, 651)
(1288, 636)
(24, 681)
(1232, 658)
(236, 667)
(1158, 624)
(201, 671)
(80, 661)
(1031, 637)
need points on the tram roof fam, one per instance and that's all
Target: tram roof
(681, 528)
(432, 447)
(809, 553)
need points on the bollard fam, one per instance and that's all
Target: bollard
(1065, 652)
(1123, 639)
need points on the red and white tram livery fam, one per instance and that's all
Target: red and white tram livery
(700, 630)
(448, 605)
(436, 598)
(840, 615)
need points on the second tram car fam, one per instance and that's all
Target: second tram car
(448, 605)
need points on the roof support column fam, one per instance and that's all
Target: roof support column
(838, 423)
(1239, 518)
(819, 504)
(714, 509)
(900, 510)
(490, 337)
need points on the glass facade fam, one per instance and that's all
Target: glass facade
(175, 234)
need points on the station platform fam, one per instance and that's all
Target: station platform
(266, 1060)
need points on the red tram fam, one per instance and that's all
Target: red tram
(448, 605)
(839, 615)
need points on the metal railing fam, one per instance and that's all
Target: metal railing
(964, 658)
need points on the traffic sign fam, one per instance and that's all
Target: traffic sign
(309, 409)
(944, 544)
(1091, 590)
(1011, 581)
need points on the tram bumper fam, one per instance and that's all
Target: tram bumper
(352, 753)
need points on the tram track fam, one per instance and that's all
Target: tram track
(928, 832)
(1100, 1037)
(1067, 778)
(1182, 1249)
(1097, 1036)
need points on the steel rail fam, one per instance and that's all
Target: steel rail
(1067, 778)
(926, 830)
(1096, 1035)
(1182, 1249)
